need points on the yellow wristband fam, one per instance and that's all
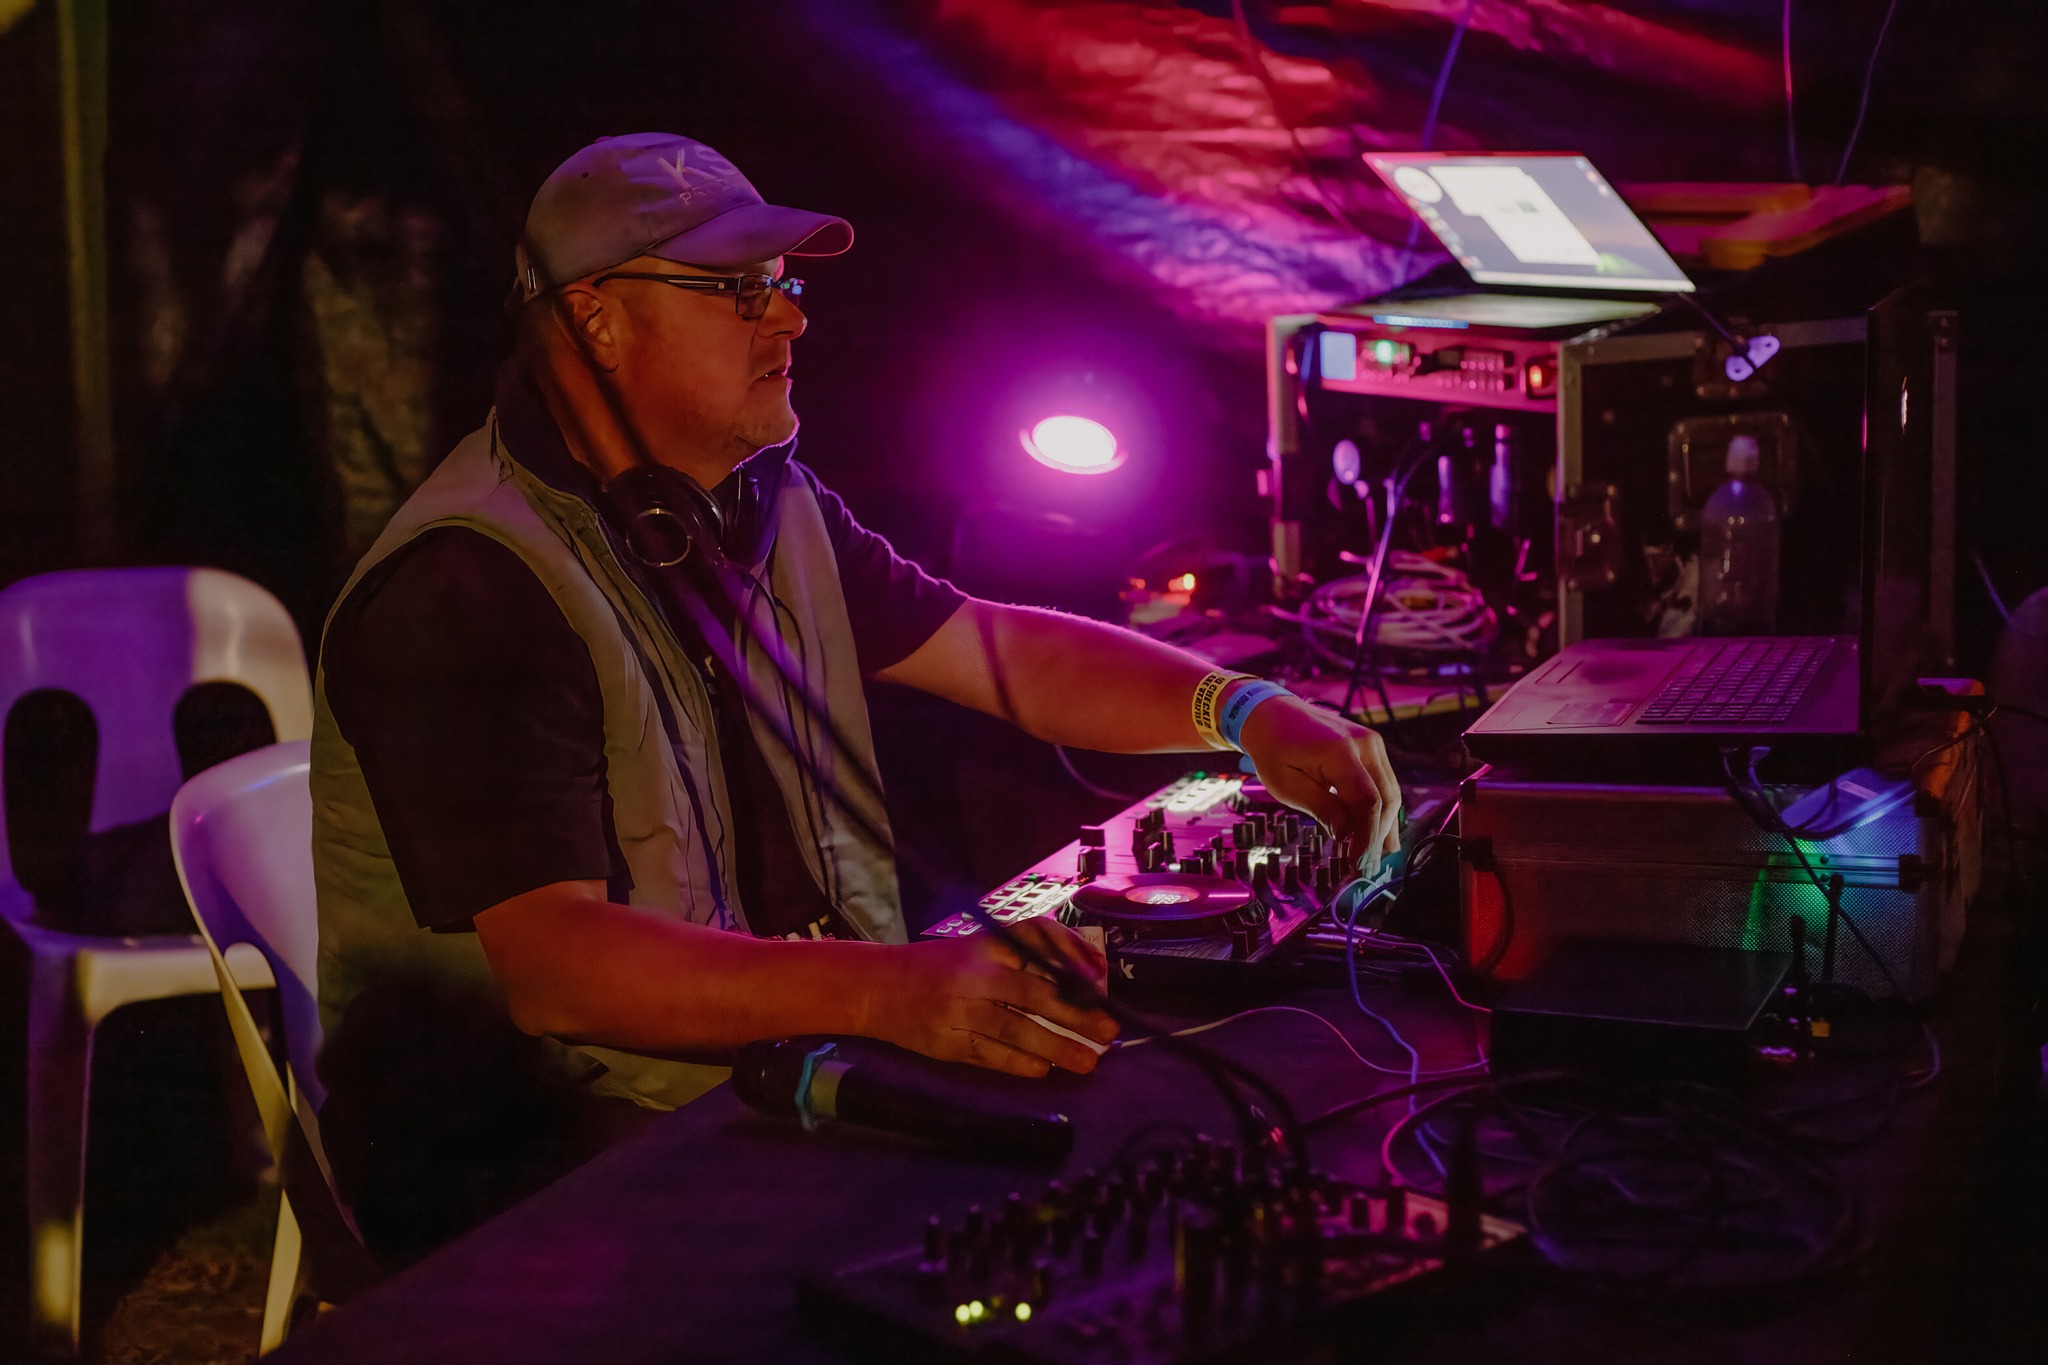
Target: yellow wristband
(1207, 691)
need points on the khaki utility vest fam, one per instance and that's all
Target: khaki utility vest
(669, 806)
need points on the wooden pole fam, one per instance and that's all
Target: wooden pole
(82, 93)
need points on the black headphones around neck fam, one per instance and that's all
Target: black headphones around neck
(670, 521)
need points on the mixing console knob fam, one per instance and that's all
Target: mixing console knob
(1244, 941)
(1242, 834)
(1092, 836)
(977, 1221)
(934, 1240)
(1092, 862)
(1262, 880)
(1290, 877)
(1326, 881)
(1151, 858)
(1166, 842)
(1091, 1252)
(1241, 864)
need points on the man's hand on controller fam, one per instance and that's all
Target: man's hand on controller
(1316, 761)
(967, 1000)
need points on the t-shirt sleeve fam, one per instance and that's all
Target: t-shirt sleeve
(893, 605)
(474, 710)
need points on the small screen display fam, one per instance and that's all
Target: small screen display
(1531, 218)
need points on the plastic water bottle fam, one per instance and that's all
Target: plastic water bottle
(1739, 550)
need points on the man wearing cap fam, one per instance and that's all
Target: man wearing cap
(644, 821)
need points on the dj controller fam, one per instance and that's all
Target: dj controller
(1208, 885)
(1200, 1258)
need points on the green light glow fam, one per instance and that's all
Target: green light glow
(1023, 1312)
(1771, 903)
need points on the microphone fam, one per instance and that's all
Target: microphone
(836, 1089)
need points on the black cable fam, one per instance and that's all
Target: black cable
(1754, 802)
(1255, 50)
(1082, 781)
(1397, 489)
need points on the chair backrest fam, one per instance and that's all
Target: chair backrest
(242, 836)
(129, 643)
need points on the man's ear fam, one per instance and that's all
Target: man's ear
(589, 323)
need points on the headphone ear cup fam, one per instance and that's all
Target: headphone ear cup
(664, 516)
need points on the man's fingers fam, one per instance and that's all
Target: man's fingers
(1027, 1035)
(997, 1055)
(1372, 753)
(1038, 996)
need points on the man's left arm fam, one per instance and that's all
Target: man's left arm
(1069, 680)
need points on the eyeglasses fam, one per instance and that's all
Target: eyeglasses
(750, 293)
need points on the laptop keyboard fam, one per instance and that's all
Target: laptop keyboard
(1748, 682)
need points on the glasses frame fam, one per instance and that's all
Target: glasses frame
(750, 293)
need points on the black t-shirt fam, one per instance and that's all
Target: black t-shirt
(474, 710)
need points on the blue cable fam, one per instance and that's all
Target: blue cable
(1351, 974)
(1863, 100)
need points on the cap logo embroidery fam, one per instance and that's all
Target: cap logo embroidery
(692, 181)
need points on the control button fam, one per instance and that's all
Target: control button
(1092, 836)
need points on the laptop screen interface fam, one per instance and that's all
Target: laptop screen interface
(1531, 219)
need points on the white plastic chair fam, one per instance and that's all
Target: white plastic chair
(241, 834)
(128, 643)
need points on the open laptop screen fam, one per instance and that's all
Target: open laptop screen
(1534, 218)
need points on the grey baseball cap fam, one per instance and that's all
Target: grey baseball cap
(657, 194)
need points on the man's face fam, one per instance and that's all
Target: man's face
(698, 379)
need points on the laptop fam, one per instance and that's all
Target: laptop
(1545, 229)
(1605, 705)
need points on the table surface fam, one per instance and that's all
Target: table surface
(686, 1241)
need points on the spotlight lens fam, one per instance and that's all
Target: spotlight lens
(1073, 445)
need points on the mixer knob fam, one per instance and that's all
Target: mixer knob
(1150, 859)
(934, 1240)
(1326, 881)
(1091, 1252)
(1290, 877)
(1242, 834)
(1244, 941)
(1092, 836)
(1091, 863)
(1262, 878)
(1166, 842)
(1241, 864)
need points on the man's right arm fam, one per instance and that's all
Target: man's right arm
(475, 712)
(577, 967)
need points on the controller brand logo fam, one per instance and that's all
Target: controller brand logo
(1125, 964)
(698, 171)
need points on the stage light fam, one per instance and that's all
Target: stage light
(1072, 445)
(1184, 583)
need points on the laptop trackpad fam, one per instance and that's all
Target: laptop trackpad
(1591, 713)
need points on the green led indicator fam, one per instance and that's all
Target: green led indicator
(1385, 352)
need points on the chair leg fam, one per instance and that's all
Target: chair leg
(58, 1108)
(287, 1278)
